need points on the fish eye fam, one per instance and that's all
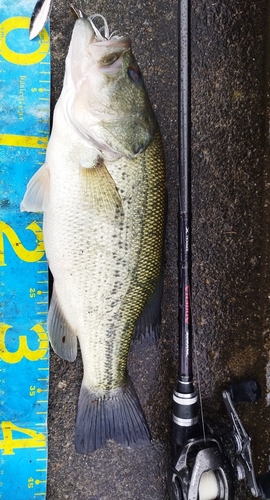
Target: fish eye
(134, 73)
(109, 59)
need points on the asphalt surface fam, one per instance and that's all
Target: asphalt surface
(230, 239)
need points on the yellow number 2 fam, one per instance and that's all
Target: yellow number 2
(19, 249)
(8, 443)
(23, 349)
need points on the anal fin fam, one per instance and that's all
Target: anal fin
(62, 338)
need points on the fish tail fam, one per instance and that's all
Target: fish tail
(116, 415)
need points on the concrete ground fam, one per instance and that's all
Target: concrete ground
(231, 228)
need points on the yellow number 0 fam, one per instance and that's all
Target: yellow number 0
(13, 57)
(23, 349)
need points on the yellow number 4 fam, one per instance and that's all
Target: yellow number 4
(23, 350)
(8, 443)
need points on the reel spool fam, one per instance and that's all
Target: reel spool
(201, 472)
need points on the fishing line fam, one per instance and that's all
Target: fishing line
(195, 335)
(198, 377)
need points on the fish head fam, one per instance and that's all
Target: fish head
(105, 96)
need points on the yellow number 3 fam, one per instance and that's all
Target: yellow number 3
(23, 349)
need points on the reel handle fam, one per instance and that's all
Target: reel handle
(263, 482)
(245, 391)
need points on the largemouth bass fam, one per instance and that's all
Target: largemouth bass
(102, 191)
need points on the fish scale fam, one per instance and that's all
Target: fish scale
(24, 362)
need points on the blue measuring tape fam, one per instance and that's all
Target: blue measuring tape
(24, 362)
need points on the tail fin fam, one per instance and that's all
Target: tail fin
(117, 415)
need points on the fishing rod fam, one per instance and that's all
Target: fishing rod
(206, 464)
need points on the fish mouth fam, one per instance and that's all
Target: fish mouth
(104, 47)
(99, 37)
(77, 12)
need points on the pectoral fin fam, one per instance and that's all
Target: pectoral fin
(62, 338)
(37, 192)
(100, 188)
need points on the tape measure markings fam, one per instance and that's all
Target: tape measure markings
(24, 364)
(21, 140)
